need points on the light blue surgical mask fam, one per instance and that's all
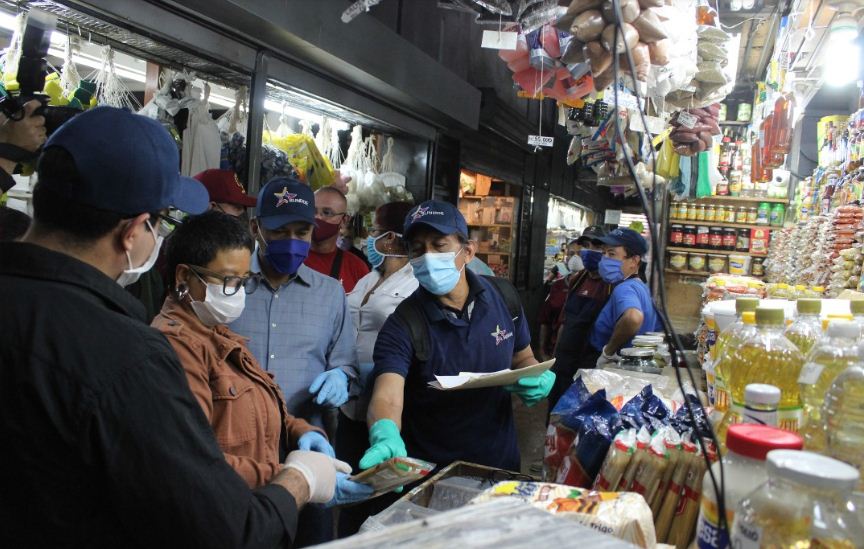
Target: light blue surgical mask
(437, 272)
(376, 258)
(610, 270)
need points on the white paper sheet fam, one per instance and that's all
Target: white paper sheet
(479, 380)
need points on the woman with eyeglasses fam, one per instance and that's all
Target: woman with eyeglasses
(209, 259)
(373, 299)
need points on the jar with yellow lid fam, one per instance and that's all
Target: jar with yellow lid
(711, 213)
(692, 208)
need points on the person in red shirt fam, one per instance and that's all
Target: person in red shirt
(331, 215)
(550, 316)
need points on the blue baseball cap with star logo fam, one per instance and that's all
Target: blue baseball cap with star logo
(282, 201)
(441, 216)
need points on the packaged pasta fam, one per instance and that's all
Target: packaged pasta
(621, 514)
(617, 460)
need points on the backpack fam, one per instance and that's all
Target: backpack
(410, 313)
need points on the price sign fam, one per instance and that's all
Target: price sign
(540, 140)
(687, 120)
(612, 217)
(499, 40)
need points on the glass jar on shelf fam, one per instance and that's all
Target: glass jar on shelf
(700, 212)
(711, 213)
(692, 208)
(741, 215)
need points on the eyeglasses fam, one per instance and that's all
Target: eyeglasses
(230, 284)
(164, 224)
(328, 213)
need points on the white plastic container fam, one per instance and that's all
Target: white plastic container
(744, 468)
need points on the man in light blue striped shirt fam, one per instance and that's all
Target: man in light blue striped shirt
(297, 321)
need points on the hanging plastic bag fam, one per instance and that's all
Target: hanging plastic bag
(703, 182)
(667, 161)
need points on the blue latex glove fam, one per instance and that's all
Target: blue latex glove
(533, 389)
(348, 491)
(331, 388)
(315, 442)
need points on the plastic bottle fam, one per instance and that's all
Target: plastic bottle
(730, 338)
(807, 328)
(856, 306)
(835, 351)
(767, 358)
(761, 402)
(805, 504)
(743, 468)
(844, 417)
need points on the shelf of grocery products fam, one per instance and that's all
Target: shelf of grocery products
(704, 274)
(745, 199)
(710, 251)
(724, 225)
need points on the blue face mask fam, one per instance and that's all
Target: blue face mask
(376, 258)
(610, 270)
(437, 272)
(286, 256)
(591, 259)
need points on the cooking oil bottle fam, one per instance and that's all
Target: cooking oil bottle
(768, 358)
(807, 328)
(835, 351)
(730, 339)
(844, 417)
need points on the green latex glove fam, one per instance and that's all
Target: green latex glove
(533, 389)
(386, 443)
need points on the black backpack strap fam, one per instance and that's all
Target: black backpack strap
(336, 268)
(509, 293)
(410, 313)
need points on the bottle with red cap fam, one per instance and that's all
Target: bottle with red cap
(744, 469)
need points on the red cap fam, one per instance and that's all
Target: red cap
(224, 187)
(755, 441)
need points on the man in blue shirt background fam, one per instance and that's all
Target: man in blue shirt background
(470, 329)
(630, 310)
(298, 324)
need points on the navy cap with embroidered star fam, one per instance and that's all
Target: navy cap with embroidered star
(629, 239)
(284, 200)
(128, 164)
(441, 216)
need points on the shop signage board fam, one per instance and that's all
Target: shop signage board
(613, 217)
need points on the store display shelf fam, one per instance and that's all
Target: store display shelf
(710, 251)
(703, 274)
(724, 225)
(745, 199)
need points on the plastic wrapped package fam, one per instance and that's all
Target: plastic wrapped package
(399, 512)
(622, 385)
(620, 514)
(617, 460)
(493, 524)
(678, 51)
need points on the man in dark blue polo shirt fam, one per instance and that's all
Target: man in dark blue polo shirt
(470, 329)
(630, 310)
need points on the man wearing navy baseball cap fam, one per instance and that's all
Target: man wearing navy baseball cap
(298, 324)
(630, 310)
(101, 433)
(456, 321)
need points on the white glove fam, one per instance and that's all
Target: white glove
(606, 360)
(319, 470)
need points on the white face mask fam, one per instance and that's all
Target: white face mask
(574, 264)
(132, 274)
(218, 308)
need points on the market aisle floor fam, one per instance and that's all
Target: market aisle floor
(531, 432)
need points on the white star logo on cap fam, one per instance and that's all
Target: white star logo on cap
(284, 197)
